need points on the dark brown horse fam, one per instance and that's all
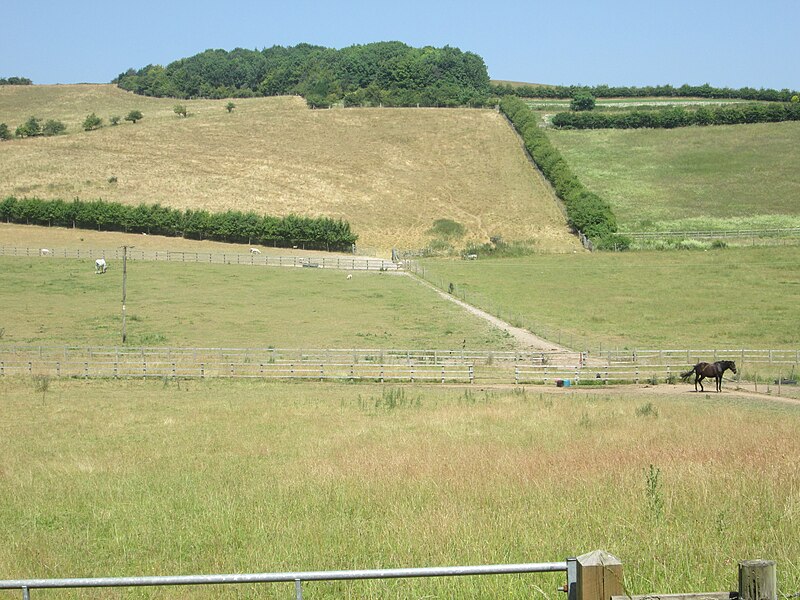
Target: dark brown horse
(703, 369)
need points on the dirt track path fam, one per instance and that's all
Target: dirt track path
(524, 338)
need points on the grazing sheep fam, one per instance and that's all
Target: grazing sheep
(44, 252)
(349, 276)
(255, 251)
(100, 266)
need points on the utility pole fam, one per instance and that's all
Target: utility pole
(124, 285)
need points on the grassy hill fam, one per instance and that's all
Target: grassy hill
(390, 172)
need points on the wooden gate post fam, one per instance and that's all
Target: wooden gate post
(758, 580)
(598, 577)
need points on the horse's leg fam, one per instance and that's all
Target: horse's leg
(700, 378)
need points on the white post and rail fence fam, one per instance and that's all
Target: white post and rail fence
(595, 575)
(773, 367)
(349, 263)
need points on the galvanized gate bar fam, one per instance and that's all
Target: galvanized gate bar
(296, 577)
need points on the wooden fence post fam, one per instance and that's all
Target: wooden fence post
(599, 576)
(758, 580)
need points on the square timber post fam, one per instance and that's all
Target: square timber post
(598, 577)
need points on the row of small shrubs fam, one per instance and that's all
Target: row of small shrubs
(680, 117)
(33, 127)
(586, 211)
(320, 233)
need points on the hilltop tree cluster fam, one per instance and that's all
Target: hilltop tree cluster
(383, 73)
(15, 81)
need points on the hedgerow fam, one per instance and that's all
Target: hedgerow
(321, 233)
(668, 118)
(586, 211)
(650, 91)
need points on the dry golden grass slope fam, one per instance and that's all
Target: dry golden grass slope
(390, 172)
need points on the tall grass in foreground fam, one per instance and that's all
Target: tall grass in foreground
(138, 478)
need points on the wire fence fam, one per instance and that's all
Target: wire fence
(355, 263)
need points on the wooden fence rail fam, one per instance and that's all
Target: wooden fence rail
(487, 367)
(737, 233)
(110, 369)
(409, 356)
(229, 258)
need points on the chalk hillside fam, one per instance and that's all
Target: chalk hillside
(390, 172)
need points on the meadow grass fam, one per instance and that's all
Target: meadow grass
(736, 176)
(718, 299)
(390, 172)
(48, 301)
(140, 478)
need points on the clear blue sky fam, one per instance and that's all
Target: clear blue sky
(733, 43)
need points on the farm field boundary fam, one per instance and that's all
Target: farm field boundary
(777, 236)
(437, 366)
(232, 258)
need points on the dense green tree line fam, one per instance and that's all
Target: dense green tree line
(15, 81)
(732, 114)
(657, 91)
(231, 226)
(388, 73)
(586, 211)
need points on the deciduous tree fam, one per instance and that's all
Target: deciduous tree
(134, 116)
(92, 122)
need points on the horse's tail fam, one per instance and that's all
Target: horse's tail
(685, 376)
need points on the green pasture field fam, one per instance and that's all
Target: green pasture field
(49, 301)
(729, 298)
(691, 178)
(133, 478)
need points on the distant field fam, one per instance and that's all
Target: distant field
(109, 478)
(723, 177)
(50, 301)
(390, 172)
(729, 298)
(628, 103)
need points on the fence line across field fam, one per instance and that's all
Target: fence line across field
(127, 368)
(433, 366)
(406, 355)
(596, 575)
(738, 233)
(298, 578)
(229, 258)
